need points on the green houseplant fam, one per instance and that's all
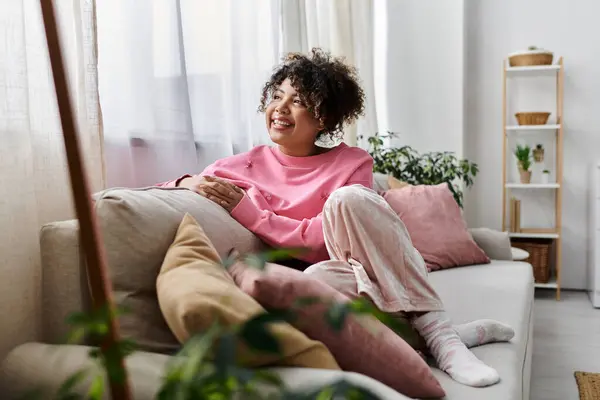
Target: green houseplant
(523, 155)
(433, 168)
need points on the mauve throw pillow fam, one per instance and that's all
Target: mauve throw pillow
(436, 226)
(363, 345)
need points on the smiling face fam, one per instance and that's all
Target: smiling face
(290, 123)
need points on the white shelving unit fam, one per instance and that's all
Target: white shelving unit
(532, 127)
(532, 186)
(521, 131)
(533, 235)
(534, 70)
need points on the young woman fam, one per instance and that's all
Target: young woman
(297, 194)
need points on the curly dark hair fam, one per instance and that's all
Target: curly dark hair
(328, 86)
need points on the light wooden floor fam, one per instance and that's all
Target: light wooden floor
(566, 339)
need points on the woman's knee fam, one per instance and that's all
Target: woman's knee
(337, 274)
(353, 196)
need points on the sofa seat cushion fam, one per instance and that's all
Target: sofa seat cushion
(138, 226)
(501, 290)
(36, 365)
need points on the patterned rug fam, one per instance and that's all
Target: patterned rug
(588, 384)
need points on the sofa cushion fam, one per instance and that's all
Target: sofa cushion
(501, 290)
(362, 344)
(195, 292)
(436, 226)
(495, 244)
(138, 226)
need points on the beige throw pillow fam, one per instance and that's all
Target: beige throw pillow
(195, 290)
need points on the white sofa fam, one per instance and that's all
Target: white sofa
(501, 290)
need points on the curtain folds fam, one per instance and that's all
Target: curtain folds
(35, 184)
(180, 81)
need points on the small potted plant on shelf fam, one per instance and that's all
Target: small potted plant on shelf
(538, 153)
(523, 155)
(545, 176)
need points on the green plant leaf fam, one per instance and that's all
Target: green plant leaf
(76, 335)
(187, 374)
(65, 391)
(306, 301)
(225, 354)
(268, 377)
(33, 394)
(96, 388)
(338, 390)
(127, 347)
(259, 260)
(363, 306)
(256, 334)
(336, 315)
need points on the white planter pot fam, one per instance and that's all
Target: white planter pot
(545, 178)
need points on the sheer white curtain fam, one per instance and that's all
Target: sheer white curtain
(35, 185)
(180, 83)
(345, 28)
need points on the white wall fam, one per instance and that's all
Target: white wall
(422, 67)
(494, 29)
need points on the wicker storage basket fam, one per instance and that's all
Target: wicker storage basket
(539, 257)
(530, 59)
(532, 118)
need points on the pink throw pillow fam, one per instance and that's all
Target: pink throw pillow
(363, 345)
(436, 226)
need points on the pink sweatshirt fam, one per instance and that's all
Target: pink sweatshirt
(285, 195)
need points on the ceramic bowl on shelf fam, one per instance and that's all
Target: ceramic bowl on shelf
(532, 118)
(531, 57)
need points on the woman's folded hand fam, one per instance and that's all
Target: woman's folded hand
(224, 193)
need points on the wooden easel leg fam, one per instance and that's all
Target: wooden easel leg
(91, 240)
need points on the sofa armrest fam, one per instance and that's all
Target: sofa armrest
(64, 279)
(42, 368)
(495, 244)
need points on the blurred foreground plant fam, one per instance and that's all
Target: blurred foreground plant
(205, 368)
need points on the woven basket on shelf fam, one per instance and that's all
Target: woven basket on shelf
(529, 59)
(532, 118)
(539, 257)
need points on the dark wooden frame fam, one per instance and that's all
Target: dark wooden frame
(91, 240)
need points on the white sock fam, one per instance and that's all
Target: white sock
(451, 354)
(483, 331)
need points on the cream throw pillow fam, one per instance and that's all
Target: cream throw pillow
(194, 290)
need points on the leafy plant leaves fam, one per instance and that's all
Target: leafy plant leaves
(433, 168)
(66, 390)
(256, 334)
(336, 315)
(259, 260)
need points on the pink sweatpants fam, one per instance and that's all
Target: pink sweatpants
(372, 254)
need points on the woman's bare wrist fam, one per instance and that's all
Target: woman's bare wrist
(183, 183)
